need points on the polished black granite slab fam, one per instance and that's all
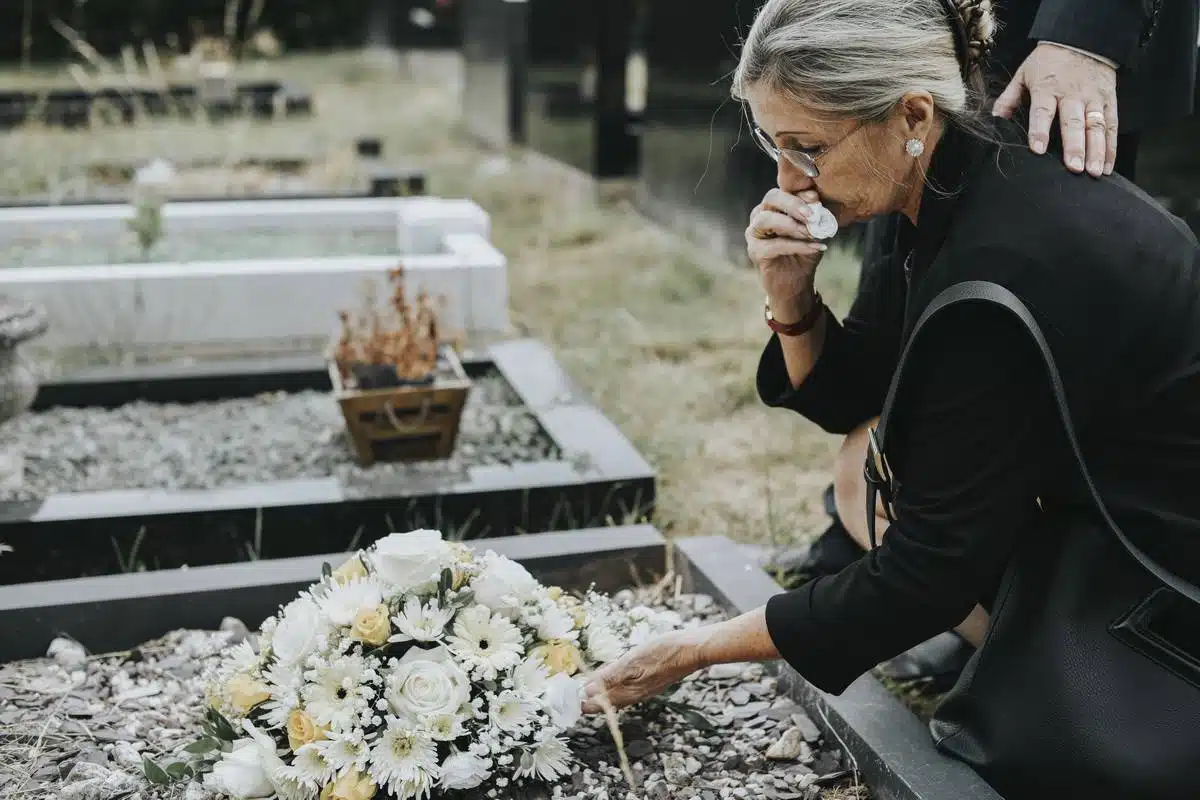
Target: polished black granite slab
(578, 108)
(494, 34)
(701, 173)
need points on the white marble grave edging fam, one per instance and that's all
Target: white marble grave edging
(442, 245)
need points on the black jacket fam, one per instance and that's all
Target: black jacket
(974, 441)
(1154, 42)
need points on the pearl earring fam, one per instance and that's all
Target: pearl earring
(914, 147)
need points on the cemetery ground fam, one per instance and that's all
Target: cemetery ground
(663, 336)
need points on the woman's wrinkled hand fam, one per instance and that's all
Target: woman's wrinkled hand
(645, 671)
(779, 244)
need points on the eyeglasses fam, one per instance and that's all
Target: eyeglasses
(803, 160)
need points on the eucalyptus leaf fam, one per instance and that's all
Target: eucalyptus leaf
(155, 774)
(178, 770)
(205, 745)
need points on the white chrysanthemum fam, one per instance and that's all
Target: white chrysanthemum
(555, 623)
(241, 657)
(563, 699)
(311, 767)
(485, 643)
(404, 761)
(345, 600)
(530, 676)
(344, 752)
(512, 711)
(464, 771)
(448, 727)
(421, 622)
(299, 631)
(547, 761)
(335, 694)
(603, 644)
(503, 585)
(284, 682)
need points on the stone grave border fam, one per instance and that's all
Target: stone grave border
(442, 243)
(72, 108)
(380, 180)
(601, 477)
(894, 753)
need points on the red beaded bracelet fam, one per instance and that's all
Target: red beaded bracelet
(802, 325)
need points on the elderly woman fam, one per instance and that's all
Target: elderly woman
(1087, 681)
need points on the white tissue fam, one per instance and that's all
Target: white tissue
(821, 222)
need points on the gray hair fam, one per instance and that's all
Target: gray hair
(855, 59)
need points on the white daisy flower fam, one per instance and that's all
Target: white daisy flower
(485, 643)
(343, 752)
(446, 727)
(512, 711)
(547, 761)
(404, 761)
(241, 657)
(335, 695)
(422, 623)
(344, 600)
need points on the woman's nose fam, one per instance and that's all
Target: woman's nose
(792, 179)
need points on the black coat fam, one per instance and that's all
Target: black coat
(1153, 41)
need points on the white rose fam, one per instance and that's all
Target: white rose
(409, 560)
(464, 771)
(426, 684)
(295, 636)
(603, 645)
(564, 700)
(503, 585)
(241, 773)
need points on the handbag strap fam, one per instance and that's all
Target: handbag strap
(879, 480)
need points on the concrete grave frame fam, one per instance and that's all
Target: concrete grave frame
(601, 477)
(893, 751)
(442, 244)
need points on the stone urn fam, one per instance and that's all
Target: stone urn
(19, 322)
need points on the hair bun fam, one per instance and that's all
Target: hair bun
(979, 23)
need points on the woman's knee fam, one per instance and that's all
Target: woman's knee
(849, 486)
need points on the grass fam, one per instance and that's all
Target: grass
(663, 336)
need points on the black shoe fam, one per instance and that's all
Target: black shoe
(829, 553)
(939, 661)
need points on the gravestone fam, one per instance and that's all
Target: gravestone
(700, 171)
(578, 109)
(494, 55)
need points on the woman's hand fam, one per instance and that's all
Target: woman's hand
(645, 671)
(786, 255)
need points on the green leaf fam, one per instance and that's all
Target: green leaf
(444, 583)
(154, 773)
(179, 770)
(205, 745)
(326, 570)
(222, 728)
(698, 720)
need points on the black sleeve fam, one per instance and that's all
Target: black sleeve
(969, 441)
(1109, 28)
(847, 384)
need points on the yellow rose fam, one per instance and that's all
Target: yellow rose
(371, 626)
(301, 730)
(354, 568)
(554, 592)
(559, 655)
(351, 786)
(245, 693)
(462, 553)
(580, 617)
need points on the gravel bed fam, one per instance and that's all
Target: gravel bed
(73, 250)
(77, 728)
(243, 441)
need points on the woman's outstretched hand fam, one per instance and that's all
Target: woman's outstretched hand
(645, 671)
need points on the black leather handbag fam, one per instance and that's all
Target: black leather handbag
(1087, 684)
